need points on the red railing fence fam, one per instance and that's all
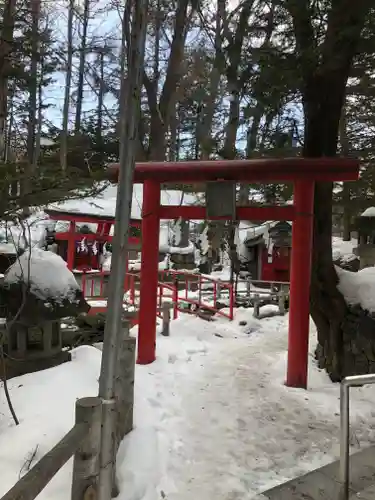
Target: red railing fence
(179, 287)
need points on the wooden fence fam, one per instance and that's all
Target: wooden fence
(83, 440)
(279, 297)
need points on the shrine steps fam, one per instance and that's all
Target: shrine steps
(324, 483)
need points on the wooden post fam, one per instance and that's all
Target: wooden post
(21, 332)
(86, 458)
(37, 478)
(46, 328)
(256, 311)
(71, 246)
(124, 387)
(218, 293)
(149, 272)
(248, 288)
(124, 392)
(166, 318)
(300, 278)
(282, 300)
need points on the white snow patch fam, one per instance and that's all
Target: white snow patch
(203, 240)
(213, 418)
(44, 403)
(104, 204)
(177, 232)
(47, 274)
(358, 288)
(7, 248)
(182, 250)
(343, 250)
(369, 212)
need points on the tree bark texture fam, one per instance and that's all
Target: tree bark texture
(325, 71)
(6, 48)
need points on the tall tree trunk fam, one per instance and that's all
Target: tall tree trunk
(157, 34)
(160, 110)
(68, 82)
(9, 134)
(33, 86)
(173, 127)
(6, 43)
(234, 81)
(218, 68)
(40, 112)
(259, 109)
(99, 119)
(124, 61)
(346, 192)
(30, 166)
(324, 77)
(81, 69)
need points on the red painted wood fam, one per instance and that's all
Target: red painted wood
(300, 277)
(149, 273)
(242, 213)
(92, 237)
(71, 245)
(89, 219)
(257, 170)
(302, 171)
(279, 268)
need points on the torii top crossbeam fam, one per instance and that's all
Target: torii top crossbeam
(257, 170)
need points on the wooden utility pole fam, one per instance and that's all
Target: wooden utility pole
(131, 91)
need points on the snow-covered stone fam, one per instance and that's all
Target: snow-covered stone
(46, 274)
(358, 288)
(369, 212)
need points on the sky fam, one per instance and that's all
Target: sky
(100, 26)
(104, 24)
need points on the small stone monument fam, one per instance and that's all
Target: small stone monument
(35, 293)
(366, 238)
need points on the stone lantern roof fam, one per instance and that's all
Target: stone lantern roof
(366, 238)
(366, 221)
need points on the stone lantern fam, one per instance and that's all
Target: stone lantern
(32, 348)
(31, 315)
(366, 238)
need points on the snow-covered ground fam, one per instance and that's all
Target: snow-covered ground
(213, 418)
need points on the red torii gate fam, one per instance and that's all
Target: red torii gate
(303, 172)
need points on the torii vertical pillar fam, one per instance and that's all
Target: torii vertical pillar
(71, 251)
(149, 273)
(300, 279)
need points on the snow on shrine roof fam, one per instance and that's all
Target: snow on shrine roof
(47, 274)
(369, 212)
(255, 230)
(104, 205)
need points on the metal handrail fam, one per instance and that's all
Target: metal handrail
(346, 383)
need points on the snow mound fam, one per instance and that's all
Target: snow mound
(46, 273)
(358, 288)
(44, 402)
(182, 250)
(369, 212)
(343, 250)
(213, 417)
